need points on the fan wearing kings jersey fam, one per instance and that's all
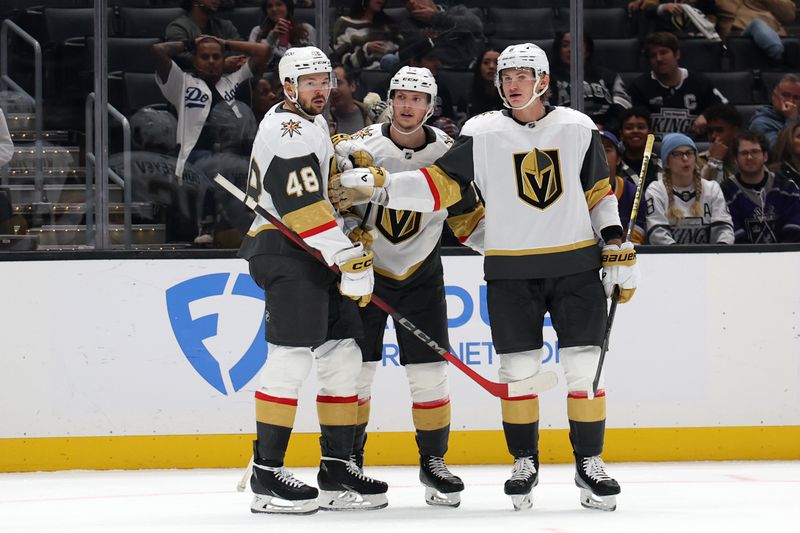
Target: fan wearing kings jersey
(310, 312)
(543, 176)
(408, 275)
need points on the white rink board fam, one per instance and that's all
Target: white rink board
(89, 349)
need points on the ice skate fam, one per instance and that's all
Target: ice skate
(524, 476)
(277, 491)
(441, 486)
(343, 487)
(598, 489)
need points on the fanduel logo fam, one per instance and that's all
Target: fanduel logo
(223, 315)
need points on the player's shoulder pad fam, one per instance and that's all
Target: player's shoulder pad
(566, 115)
(481, 122)
(290, 135)
(442, 137)
(369, 134)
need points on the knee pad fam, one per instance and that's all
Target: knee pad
(520, 365)
(365, 377)
(338, 366)
(286, 369)
(428, 381)
(580, 365)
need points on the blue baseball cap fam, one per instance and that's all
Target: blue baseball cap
(611, 137)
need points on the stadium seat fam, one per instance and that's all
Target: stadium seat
(628, 77)
(66, 23)
(523, 24)
(374, 81)
(737, 87)
(604, 23)
(244, 18)
(128, 54)
(306, 14)
(769, 81)
(701, 54)
(747, 111)
(619, 54)
(458, 83)
(501, 44)
(140, 90)
(746, 56)
(147, 22)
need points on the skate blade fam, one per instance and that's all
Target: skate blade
(522, 502)
(443, 499)
(271, 505)
(347, 500)
(590, 500)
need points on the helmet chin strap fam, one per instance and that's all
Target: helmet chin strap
(416, 129)
(536, 94)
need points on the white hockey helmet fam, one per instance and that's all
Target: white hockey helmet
(303, 60)
(418, 79)
(525, 55)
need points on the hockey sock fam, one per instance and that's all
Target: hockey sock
(521, 425)
(274, 422)
(432, 422)
(337, 422)
(587, 422)
(362, 419)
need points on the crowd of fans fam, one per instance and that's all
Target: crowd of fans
(715, 177)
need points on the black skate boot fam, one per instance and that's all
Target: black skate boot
(343, 487)
(357, 457)
(524, 476)
(276, 490)
(598, 489)
(441, 486)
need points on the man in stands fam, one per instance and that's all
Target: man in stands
(201, 19)
(769, 119)
(718, 162)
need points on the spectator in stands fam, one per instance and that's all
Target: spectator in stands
(457, 31)
(636, 125)
(266, 93)
(666, 15)
(484, 96)
(280, 31)
(718, 162)
(209, 116)
(201, 19)
(675, 97)
(682, 208)
(786, 153)
(366, 39)
(604, 94)
(762, 21)
(624, 188)
(349, 114)
(771, 118)
(764, 206)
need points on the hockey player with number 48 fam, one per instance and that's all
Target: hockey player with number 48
(311, 314)
(409, 276)
(543, 176)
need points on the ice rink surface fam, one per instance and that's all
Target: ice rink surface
(669, 497)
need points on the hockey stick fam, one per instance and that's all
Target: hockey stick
(532, 385)
(612, 311)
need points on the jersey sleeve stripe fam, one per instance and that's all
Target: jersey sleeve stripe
(318, 229)
(311, 219)
(599, 190)
(463, 225)
(446, 191)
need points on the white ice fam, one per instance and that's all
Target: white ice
(669, 497)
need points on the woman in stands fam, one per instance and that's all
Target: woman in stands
(683, 208)
(484, 96)
(365, 39)
(786, 153)
(604, 93)
(281, 31)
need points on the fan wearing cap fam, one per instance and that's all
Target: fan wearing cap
(311, 314)
(409, 276)
(543, 174)
(623, 188)
(683, 208)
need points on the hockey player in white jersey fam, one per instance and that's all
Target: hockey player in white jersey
(408, 275)
(310, 312)
(543, 175)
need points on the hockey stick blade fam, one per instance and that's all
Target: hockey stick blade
(533, 385)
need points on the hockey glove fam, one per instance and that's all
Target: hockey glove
(620, 268)
(357, 276)
(350, 152)
(363, 236)
(358, 186)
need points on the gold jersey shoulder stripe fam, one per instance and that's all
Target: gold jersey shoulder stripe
(447, 188)
(464, 225)
(599, 191)
(309, 217)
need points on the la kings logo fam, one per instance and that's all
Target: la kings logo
(397, 226)
(671, 120)
(538, 177)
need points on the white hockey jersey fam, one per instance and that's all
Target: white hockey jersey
(545, 185)
(714, 227)
(289, 168)
(403, 239)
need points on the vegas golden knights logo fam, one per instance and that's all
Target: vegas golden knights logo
(538, 176)
(397, 226)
